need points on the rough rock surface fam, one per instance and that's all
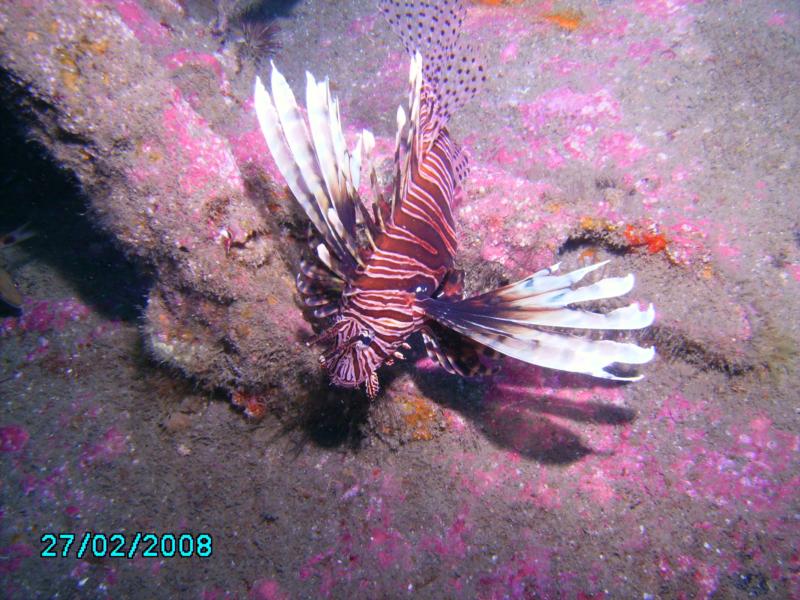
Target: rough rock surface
(138, 103)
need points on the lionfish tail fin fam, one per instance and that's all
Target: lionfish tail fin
(450, 69)
(510, 320)
(322, 174)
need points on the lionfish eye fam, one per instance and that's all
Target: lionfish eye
(365, 337)
(423, 290)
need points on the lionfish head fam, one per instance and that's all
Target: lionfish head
(351, 357)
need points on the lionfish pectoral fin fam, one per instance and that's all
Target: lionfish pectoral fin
(319, 285)
(509, 320)
(456, 353)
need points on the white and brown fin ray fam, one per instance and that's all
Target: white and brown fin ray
(368, 145)
(372, 385)
(320, 289)
(341, 169)
(318, 106)
(379, 203)
(435, 353)
(333, 157)
(509, 319)
(314, 163)
(417, 127)
(407, 138)
(416, 130)
(402, 155)
(297, 137)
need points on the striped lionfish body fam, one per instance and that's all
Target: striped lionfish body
(385, 272)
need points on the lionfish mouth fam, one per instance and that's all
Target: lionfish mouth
(343, 374)
(334, 361)
(344, 383)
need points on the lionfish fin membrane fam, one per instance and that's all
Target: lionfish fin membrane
(509, 320)
(460, 164)
(450, 66)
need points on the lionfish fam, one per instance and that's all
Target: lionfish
(380, 275)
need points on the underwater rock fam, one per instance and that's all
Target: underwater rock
(145, 109)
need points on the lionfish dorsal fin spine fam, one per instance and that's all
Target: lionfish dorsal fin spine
(354, 168)
(299, 141)
(415, 87)
(402, 121)
(297, 137)
(369, 143)
(368, 139)
(336, 223)
(332, 158)
(276, 142)
(318, 108)
(344, 204)
(325, 256)
(401, 153)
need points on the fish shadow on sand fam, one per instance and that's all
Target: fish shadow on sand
(334, 417)
(523, 419)
(510, 409)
